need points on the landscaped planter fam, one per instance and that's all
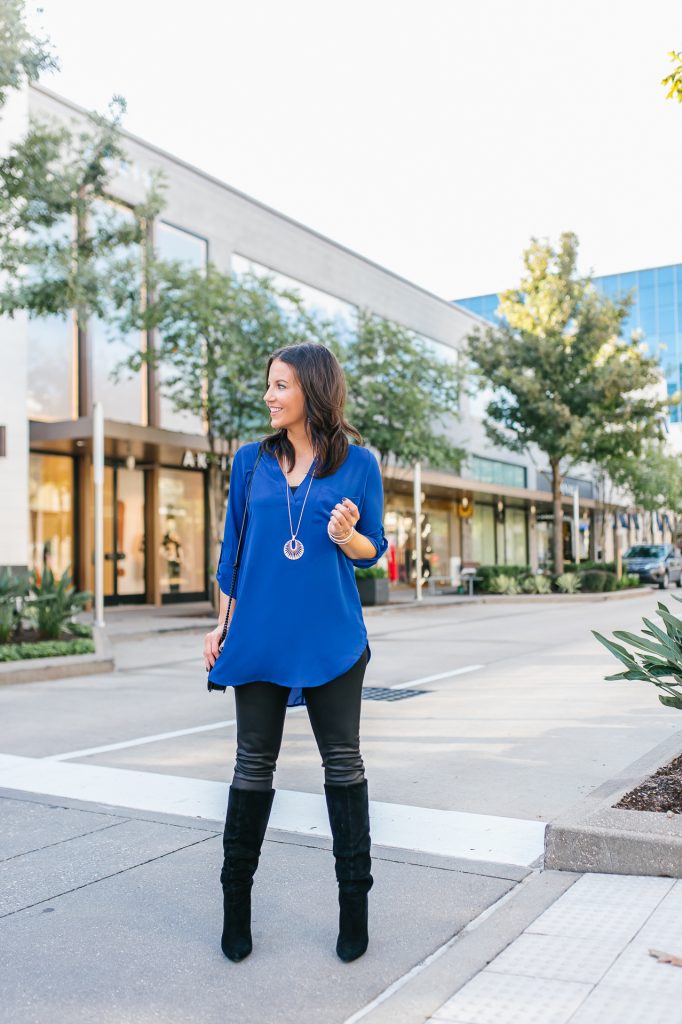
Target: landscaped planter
(372, 590)
(604, 833)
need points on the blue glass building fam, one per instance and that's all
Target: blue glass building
(656, 311)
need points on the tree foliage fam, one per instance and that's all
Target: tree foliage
(58, 235)
(653, 478)
(673, 81)
(564, 378)
(22, 55)
(401, 393)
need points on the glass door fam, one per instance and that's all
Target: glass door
(124, 539)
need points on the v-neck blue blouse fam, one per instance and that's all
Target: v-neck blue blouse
(296, 623)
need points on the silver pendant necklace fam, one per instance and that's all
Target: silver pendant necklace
(293, 548)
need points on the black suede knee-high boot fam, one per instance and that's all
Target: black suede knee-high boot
(348, 808)
(248, 812)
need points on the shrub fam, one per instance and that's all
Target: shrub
(593, 580)
(529, 586)
(503, 584)
(589, 564)
(627, 580)
(569, 582)
(373, 572)
(45, 649)
(12, 591)
(490, 572)
(543, 584)
(52, 605)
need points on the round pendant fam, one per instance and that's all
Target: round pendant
(293, 549)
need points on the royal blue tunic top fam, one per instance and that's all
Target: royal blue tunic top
(296, 623)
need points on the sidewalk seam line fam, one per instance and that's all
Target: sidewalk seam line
(68, 839)
(103, 878)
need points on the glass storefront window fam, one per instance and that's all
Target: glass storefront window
(172, 243)
(125, 400)
(51, 504)
(124, 533)
(51, 348)
(343, 315)
(515, 546)
(51, 351)
(483, 534)
(494, 471)
(181, 532)
(399, 530)
(436, 544)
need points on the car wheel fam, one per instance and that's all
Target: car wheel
(679, 580)
(663, 585)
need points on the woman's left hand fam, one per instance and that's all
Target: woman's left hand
(344, 516)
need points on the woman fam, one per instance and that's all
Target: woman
(296, 632)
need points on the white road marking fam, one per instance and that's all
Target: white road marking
(70, 755)
(87, 751)
(447, 833)
(440, 675)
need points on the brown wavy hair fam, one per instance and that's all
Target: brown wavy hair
(322, 379)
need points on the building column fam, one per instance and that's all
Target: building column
(467, 541)
(84, 525)
(533, 539)
(152, 538)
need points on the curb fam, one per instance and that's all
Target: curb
(37, 670)
(444, 601)
(592, 835)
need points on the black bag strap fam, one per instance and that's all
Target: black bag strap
(235, 564)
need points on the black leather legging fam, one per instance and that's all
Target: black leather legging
(334, 713)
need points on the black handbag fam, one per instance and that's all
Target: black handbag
(235, 569)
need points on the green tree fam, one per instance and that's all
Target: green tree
(654, 478)
(401, 393)
(564, 379)
(673, 81)
(59, 237)
(22, 55)
(213, 335)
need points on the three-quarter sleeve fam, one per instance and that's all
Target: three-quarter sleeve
(236, 500)
(370, 524)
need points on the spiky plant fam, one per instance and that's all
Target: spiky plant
(657, 660)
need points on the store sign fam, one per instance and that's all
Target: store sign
(198, 460)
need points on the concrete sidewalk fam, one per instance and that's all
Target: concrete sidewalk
(115, 915)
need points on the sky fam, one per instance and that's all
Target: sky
(435, 138)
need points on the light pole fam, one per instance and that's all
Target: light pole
(98, 481)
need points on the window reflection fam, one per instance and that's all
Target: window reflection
(181, 532)
(125, 400)
(172, 243)
(51, 544)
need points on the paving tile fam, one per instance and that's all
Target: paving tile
(492, 998)
(636, 969)
(611, 1005)
(143, 946)
(565, 958)
(29, 826)
(44, 874)
(613, 906)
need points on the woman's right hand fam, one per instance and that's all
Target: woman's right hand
(211, 646)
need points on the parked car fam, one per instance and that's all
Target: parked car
(655, 563)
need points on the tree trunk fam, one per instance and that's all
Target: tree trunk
(558, 517)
